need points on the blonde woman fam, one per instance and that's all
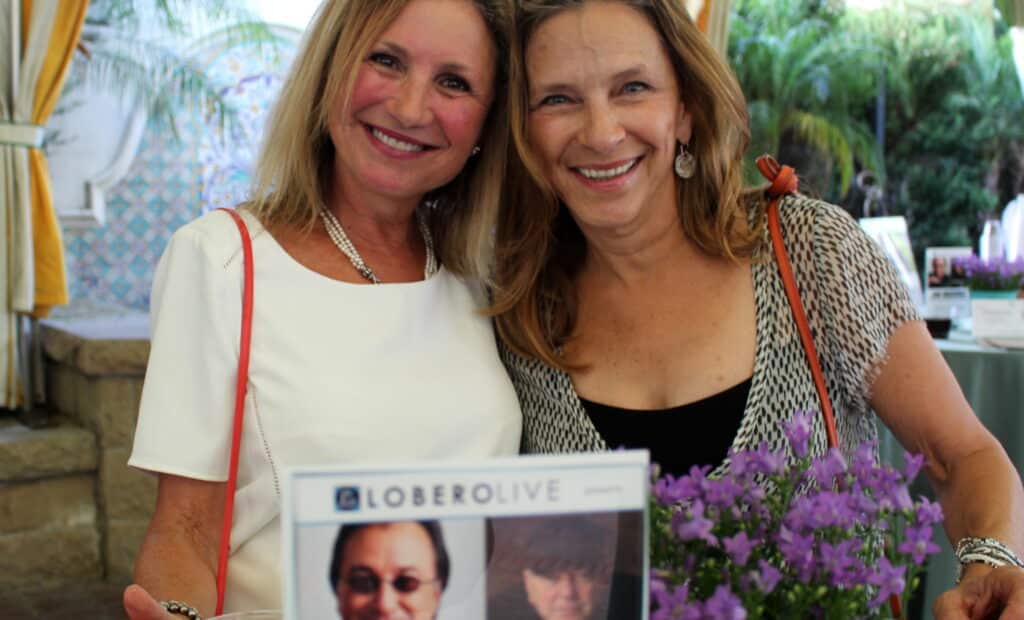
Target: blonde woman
(640, 305)
(374, 205)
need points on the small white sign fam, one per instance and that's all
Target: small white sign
(998, 321)
(497, 539)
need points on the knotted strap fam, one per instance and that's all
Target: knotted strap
(783, 178)
(784, 181)
(241, 383)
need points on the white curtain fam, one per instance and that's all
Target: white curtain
(21, 60)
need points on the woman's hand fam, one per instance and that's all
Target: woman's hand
(984, 593)
(139, 605)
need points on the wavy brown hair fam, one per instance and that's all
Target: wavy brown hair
(540, 249)
(296, 161)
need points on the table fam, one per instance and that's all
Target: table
(992, 379)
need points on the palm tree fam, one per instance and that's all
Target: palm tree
(137, 49)
(954, 138)
(806, 87)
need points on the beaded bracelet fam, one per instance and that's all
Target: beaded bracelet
(987, 551)
(177, 607)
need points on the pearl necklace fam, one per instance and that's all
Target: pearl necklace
(341, 240)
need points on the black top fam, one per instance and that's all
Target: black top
(698, 433)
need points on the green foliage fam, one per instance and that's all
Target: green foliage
(953, 149)
(806, 87)
(953, 131)
(137, 49)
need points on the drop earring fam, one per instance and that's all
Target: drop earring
(686, 163)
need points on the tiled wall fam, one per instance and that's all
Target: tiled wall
(173, 181)
(113, 264)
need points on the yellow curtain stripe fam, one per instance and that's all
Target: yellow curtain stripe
(48, 247)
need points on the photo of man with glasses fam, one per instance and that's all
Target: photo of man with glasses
(389, 571)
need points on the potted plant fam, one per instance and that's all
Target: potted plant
(806, 80)
(995, 278)
(780, 537)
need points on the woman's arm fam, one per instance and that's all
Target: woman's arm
(178, 557)
(917, 396)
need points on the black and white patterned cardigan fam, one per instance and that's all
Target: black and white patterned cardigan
(854, 301)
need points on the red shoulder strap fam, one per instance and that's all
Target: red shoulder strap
(241, 381)
(784, 181)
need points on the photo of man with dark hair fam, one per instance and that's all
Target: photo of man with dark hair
(389, 571)
(938, 272)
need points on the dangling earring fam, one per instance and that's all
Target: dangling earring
(475, 151)
(686, 163)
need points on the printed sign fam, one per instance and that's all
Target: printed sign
(999, 322)
(533, 537)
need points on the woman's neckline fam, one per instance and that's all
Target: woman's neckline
(760, 352)
(742, 385)
(299, 267)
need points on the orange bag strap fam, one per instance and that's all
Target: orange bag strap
(241, 382)
(784, 181)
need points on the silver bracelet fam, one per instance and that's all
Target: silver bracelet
(177, 607)
(987, 551)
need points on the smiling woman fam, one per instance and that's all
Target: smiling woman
(374, 204)
(605, 116)
(416, 108)
(638, 302)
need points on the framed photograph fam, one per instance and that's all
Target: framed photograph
(945, 288)
(532, 537)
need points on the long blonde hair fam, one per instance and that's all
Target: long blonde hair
(296, 160)
(539, 247)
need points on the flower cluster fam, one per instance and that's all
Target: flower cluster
(996, 274)
(788, 536)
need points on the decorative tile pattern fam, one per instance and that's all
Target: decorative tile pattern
(114, 264)
(173, 181)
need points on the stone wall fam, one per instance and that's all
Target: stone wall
(49, 530)
(93, 510)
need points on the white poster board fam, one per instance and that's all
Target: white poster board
(892, 235)
(491, 540)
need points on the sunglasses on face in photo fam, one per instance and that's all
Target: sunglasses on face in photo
(369, 582)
